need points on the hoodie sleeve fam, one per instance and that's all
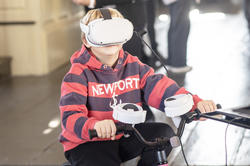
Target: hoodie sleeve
(157, 87)
(74, 113)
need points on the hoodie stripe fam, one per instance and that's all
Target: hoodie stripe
(73, 99)
(65, 116)
(63, 139)
(73, 87)
(151, 82)
(75, 79)
(77, 69)
(146, 73)
(131, 59)
(170, 91)
(144, 69)
(104, 77)
(81, 108)
(83, 58)
(79, 126)
(156, 95)
(71, 122)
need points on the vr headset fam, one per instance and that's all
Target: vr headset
(107, 31)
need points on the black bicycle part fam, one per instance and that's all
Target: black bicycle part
(233, 119)
(130, 106)
(139, 35)
(120, 128)
(156, 144)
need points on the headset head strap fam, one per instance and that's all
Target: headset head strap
(105, 13)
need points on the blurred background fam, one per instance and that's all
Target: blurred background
(37, 38)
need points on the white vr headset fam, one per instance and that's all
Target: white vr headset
(107, 31)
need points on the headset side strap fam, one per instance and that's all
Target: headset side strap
(84, 28)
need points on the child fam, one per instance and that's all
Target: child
(96, 74)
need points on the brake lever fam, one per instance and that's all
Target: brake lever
(196, 114)
(191, 116)
(187, 118)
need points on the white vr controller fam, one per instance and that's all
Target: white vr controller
(175, 106)
(129, 113)
(178, 105)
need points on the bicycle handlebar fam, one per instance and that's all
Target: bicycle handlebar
(128, 129)
(186, 118)
(189, 117)
(236, 120)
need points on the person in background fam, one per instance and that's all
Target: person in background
(246, 7)
(151, 15)
(178, 35)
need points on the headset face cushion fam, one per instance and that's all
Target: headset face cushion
(109, 32)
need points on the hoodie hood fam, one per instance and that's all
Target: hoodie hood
(86, 57)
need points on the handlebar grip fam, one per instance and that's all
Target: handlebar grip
(92, 133)
(120, 128)
(218, 106)
(196, 114)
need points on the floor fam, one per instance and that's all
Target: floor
(219, 53)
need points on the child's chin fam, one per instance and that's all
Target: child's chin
(111, 49)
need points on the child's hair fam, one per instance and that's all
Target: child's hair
(96, 14)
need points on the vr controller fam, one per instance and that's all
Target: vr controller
(175, 106)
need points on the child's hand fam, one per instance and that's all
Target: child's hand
(105, 129)
(206, 106)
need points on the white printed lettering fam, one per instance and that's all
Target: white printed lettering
(95, 91)
(109, 87)
(129, 82)
(123, 82)
(136, 82)
(100, 88)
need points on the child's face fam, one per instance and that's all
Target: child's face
(106, 51)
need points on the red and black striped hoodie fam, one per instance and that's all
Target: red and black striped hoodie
(88, 87)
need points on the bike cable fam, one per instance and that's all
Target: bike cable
(182, 150)
(140, 34)
(238, 118)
